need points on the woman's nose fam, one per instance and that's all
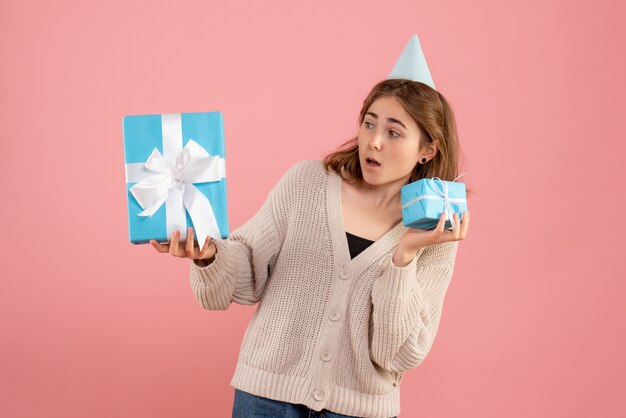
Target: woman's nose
(375, 141)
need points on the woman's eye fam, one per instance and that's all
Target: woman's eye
(367, 124)
(394, 132)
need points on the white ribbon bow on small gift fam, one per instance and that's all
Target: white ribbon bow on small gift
(170, 181)
(442, 194)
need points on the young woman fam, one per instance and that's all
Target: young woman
(349, 298)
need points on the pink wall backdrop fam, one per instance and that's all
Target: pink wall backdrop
(92, 326)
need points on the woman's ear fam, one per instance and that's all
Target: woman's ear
(429, 152)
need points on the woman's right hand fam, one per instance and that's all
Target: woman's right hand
(187, 249)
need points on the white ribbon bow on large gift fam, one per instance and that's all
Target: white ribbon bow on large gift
(169, 179)
(442, 194)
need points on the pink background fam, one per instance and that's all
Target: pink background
(533, 324)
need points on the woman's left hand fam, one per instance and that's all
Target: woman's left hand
(415, 238)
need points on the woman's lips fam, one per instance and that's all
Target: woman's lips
(371, 164)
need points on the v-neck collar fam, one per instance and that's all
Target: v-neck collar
(338, 233)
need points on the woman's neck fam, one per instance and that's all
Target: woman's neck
(384, 196)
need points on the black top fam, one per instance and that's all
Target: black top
(357, 244)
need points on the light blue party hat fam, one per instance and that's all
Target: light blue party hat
(412, 64)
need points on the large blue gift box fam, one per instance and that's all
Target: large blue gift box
(175, 176)
(424, 200)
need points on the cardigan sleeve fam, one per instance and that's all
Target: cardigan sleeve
(406, 307)
(244, 261)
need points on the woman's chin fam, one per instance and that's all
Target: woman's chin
(371, 180)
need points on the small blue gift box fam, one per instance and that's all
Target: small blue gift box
(424, 200)
(175, 176)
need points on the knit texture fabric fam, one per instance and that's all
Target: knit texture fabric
(329, 332)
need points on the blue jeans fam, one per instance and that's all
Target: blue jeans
(247, 405)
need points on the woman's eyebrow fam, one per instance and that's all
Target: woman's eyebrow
(375, 116)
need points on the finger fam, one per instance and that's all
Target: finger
(457, 226)
(465, 224)
(441, 224)
(159, 247)
(189, 245)
(209, 249)
(174, 243)
(205, 248)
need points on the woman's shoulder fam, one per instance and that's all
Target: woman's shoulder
(310, 165)
(301, 178)
(306, 171)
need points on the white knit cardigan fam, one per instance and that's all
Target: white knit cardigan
(329, 331)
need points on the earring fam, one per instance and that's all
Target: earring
(423, 160)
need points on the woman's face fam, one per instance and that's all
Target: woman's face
(389, 135)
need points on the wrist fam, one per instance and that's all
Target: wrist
(402, 258)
